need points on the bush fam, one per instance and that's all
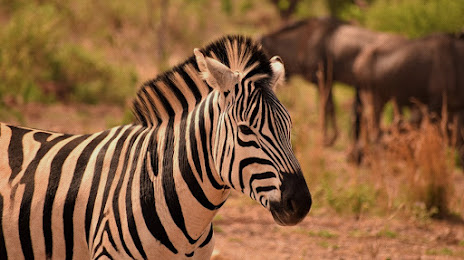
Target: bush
(420, 158)
(89, 79)
(27, 44)
(38, 62)
(413, 18)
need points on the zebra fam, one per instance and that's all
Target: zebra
(149, 190)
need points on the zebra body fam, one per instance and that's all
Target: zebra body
(102, 183)
(150, 190)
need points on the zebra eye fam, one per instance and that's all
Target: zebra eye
(245, 130)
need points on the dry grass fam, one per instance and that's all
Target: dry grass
(409, 172)
(416, 166)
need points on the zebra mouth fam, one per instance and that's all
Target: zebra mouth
(294, 203)
(290, 212)
(281, 220)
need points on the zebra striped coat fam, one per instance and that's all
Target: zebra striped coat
(151, 189)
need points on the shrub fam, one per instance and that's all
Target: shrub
(27, 44)
(89, 79)
(413, 18)
(38, 62)
(420, 158)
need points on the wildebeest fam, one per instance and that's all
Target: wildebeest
(427, 69)
(306, 45)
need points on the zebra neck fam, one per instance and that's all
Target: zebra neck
(171, 94)
(179, 161)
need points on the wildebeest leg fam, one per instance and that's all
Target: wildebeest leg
(355, 153)
(363, 123)
(460, 137)
(369, 126)
(396, 113)
(357, 110)
(327, 107)
(434, 108)
(372, 108)
(330, 113)
(378, 104)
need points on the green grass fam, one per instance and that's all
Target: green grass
(441, 251)
(358, 233)
(323, 234)
(218, 229)
(218, 217)
(327, 245)
(235, 239)
(387, 233)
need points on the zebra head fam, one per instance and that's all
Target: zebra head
(251, 149)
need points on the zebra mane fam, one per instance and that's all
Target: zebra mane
(182, 88)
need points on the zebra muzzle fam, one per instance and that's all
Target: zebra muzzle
(295, 200)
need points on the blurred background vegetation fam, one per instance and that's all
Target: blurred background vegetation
(99, 52)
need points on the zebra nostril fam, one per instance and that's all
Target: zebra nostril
(291, 205)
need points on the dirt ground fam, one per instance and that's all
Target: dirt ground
(245, 230)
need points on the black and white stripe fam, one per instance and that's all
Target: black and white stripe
(150, 190)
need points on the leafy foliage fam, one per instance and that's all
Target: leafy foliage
(40, 62)
(413, 18)
(27, 44)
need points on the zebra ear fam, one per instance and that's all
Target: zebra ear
(216, 74)
(278, 69)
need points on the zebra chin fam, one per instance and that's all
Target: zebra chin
(294, 203)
